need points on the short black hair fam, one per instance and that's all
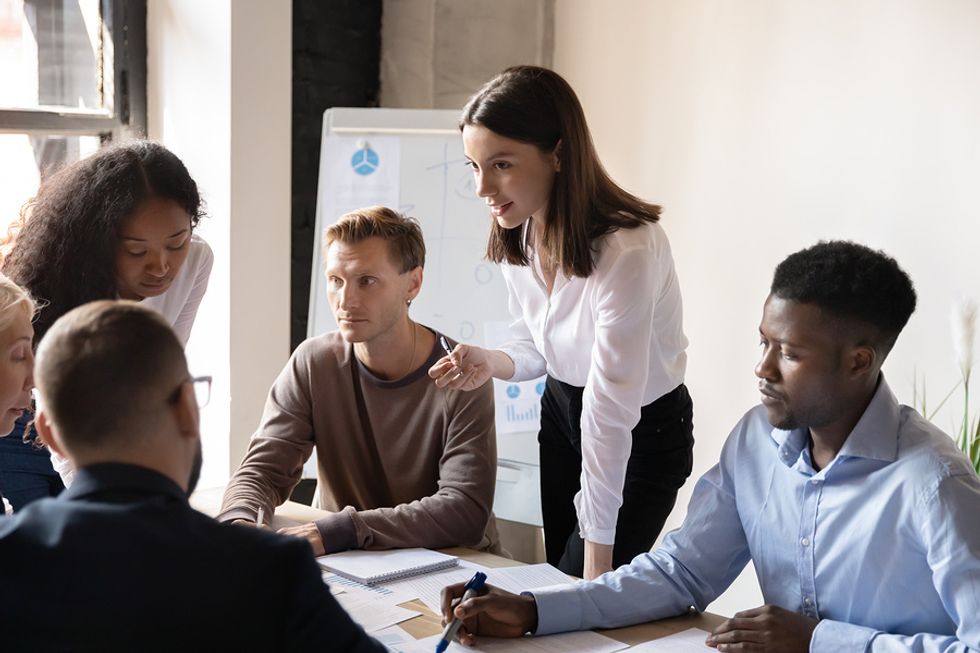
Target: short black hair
(849, 281)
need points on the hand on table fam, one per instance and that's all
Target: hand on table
(495, 613)
(310, 533)
(767, 628)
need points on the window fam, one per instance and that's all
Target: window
(72, 77)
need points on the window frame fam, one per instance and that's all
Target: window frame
(127, 24)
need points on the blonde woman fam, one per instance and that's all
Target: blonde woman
(16, 355)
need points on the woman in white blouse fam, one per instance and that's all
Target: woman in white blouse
(596, 305)
(117, 224)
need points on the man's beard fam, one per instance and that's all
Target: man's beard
(195, 470)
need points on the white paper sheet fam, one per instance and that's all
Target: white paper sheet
(687, 641)
(394, 638)
(391, 596)
(526, 577)
(517, 405)
(373, 612)
(428, 587)
(580, 642)
(366, 174)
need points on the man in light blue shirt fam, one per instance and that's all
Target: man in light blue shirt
(861, 517)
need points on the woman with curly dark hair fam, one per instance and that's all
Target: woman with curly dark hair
(118, 224)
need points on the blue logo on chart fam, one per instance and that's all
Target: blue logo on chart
(365, 161)
(513, 391)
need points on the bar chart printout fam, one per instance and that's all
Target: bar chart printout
(518, 405)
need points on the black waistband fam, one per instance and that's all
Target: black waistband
(569, 390)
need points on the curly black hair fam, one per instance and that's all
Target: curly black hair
(64, 248)
(849, 281)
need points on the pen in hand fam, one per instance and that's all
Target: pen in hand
(449, 352)
(471, 589)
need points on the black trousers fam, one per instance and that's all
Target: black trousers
(660, 461)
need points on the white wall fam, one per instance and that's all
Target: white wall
(763, 126)
(219, 96)
(261, 200)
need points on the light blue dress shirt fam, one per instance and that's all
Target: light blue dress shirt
(882, 545)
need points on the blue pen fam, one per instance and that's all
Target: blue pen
(471, 589)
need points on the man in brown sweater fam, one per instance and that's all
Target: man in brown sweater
(400, 462)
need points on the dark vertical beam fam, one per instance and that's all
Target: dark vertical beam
(336, 63)
(129, 42)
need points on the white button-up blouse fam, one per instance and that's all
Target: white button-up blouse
(618, 334)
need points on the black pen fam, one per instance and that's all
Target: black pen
(449, 352)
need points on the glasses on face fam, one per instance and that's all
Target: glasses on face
(202, 390)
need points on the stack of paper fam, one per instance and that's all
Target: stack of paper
(368, 592)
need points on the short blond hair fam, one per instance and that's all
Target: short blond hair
(13, 298)
(402, 233)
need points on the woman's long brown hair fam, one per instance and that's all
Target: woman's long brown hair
(535, 105)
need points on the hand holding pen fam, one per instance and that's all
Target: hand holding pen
(470, 590)
(467, 367)
(489, 611)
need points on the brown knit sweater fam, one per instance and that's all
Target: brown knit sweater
(400, 463)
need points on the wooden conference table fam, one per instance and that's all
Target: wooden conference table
(208, 501)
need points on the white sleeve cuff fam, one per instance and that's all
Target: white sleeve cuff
(598, 535)
(64, 467)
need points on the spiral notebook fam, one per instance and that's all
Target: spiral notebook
(372, 567)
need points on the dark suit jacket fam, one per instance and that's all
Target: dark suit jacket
(120, 561)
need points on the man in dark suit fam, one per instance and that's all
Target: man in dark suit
(120, 561)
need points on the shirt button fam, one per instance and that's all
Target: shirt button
(807, 601)
(815, 481)
(805, 541)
